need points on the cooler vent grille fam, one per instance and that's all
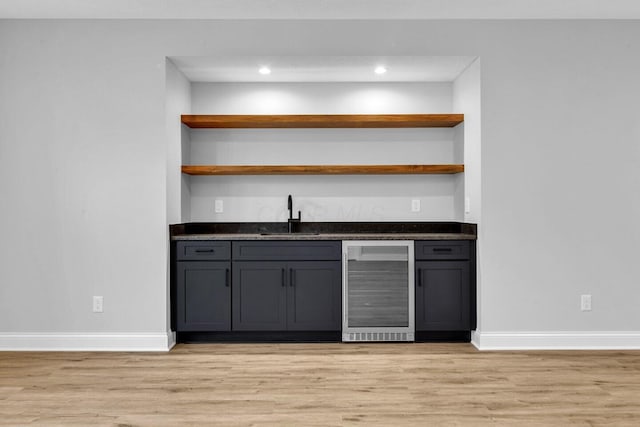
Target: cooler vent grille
(378, 336)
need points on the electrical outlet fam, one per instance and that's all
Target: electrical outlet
(97, 304)
(219, 206)
(585, 302)
(415, 205)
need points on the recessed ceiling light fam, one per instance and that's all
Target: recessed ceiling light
(380, 69)
(264, 70)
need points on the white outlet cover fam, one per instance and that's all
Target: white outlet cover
(415, 205)
(98, 306)
(219, 206)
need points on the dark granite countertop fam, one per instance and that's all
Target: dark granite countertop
(324, 231)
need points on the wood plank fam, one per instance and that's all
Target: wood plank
(333, 384)
(321, 169)
(323, 121)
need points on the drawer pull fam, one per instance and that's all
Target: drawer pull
(442, 249)
(420, 277)
(199, 251)
(283, 284)
(226, 277)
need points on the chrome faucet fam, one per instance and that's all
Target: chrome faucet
(292, 220)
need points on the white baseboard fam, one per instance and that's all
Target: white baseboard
(600, 340)
(55, 341)
(165, 341)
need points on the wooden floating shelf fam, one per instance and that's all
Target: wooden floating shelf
(324, 121)
(322, 169)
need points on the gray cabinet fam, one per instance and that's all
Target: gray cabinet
(203, 294)
(287, 250)
(314, 296)
(443, 286)
(272, 292)
(259, 296)
(295, 287)
(203, 250)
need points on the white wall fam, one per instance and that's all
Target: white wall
(84, 184)
(467, 100)
(322, 198)
(560, 183)
(321, 98)
(177, 102)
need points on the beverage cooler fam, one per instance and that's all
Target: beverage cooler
(378, 290)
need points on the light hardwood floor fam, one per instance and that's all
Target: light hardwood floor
(321, 385)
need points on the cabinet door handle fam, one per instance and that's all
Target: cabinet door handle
(226, 277)
(283, 284)
(199, 251)
(419, 277)
(442, 249)
(291, 278)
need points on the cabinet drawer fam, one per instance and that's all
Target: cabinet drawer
(287, 251)
(203, 250)
(442, 249)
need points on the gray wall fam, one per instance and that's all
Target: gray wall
(83, 165)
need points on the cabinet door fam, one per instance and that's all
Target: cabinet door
(314, 296)
(442, 295)
(204, 296)
(259, 296)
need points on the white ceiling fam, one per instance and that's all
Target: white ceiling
(321, 9)
(322, 68)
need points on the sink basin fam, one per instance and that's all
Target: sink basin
(289, 234)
